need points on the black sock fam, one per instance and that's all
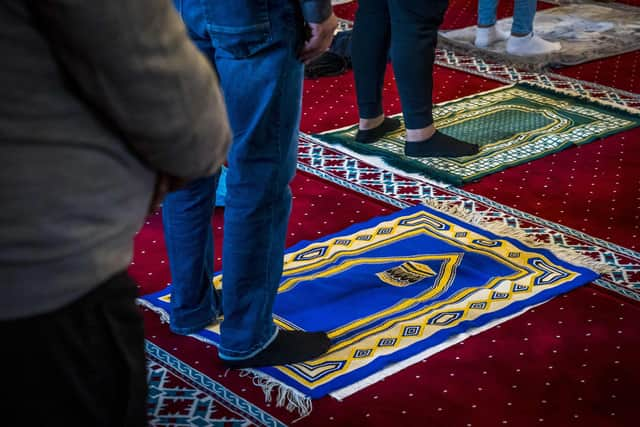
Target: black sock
(367, 136)
(440, 145)
(287, 347)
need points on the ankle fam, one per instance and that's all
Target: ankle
(371, 123)
(414, 135)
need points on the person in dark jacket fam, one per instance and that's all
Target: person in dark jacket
(258, 48)
(102, 101)
(408, 31)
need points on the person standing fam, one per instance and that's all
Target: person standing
(408, 31)
(102, 101)
(258, 48)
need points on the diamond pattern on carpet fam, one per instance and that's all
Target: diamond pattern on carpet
(621, 71)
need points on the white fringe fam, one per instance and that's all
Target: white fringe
(477, 219)
(575, 94)
(287, 397)
(379, 163)
(164, 316)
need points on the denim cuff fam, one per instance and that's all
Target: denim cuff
(316, 11)
(236, 355)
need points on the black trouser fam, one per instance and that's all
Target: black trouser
(82, 365)
(408, 30)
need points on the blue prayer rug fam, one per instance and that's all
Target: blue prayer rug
(397, 286)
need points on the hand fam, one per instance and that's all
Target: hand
(164, 184)
(320, 40)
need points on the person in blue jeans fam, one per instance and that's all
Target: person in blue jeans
(522, 41)
(258, 48)
(408, 31)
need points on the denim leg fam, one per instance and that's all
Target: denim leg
(370, 52)
(487, 12)
(186, 217)
(414, 30)
(524, 11)
(263, 88)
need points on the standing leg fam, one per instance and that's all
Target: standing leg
(487, 12)
(370, 53)
(487, 33)
(414, 30)
(523, 41)
(186, 217)
(261, 79)
(524, 11)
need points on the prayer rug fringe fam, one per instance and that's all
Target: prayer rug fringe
(287, 397)
(460, 48)
(565, 254)
(403, 166)
(382, 161)
(508, 74)
(164, 316)
(602, 103)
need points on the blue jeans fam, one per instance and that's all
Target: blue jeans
(253, 45)
(524, 11)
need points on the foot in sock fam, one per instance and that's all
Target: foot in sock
(531, 45)
(439, 145)
(367, 136)
(486, 36)
(287, 347)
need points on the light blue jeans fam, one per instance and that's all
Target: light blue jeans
(524, 11)
(253, 45)
(221, 190)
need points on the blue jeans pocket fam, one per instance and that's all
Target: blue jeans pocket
(241, 28)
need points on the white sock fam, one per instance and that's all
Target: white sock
(531, 45)
(486, 36)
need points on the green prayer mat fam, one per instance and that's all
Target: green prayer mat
(512, 125)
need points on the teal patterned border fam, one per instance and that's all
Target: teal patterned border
(193, 375)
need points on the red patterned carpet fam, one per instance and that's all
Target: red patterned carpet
(568, 362)
(621, 72)
(594, 188)
(571, 361)
(596, 197)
